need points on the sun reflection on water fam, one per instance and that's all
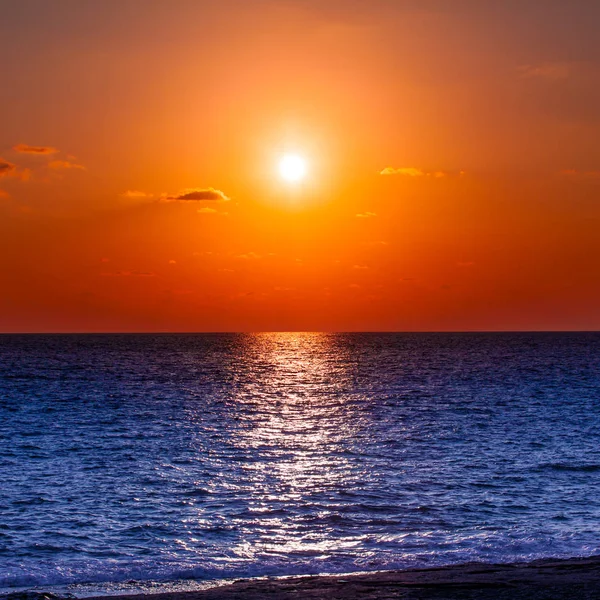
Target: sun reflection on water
(296, 426)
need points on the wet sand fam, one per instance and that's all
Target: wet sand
(577, 579)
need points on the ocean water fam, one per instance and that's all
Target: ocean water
(199, 457)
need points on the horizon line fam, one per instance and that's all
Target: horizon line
(325, 331)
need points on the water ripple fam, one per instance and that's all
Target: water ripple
(157, 457)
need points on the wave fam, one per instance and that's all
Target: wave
(559, 466)
(100, 576)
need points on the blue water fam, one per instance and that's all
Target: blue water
(161, 457)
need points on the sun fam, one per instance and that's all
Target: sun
(292, 167)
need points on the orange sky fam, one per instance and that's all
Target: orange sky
(453, 153)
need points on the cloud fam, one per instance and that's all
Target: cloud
(366, 215)
(576, 174)
(550, 71)
(136, 195)
(129, 274)
(8, 169)
(409, 171)
(27, 149)
(249, 256)
(205, 210)
(360, 267)
(416, 172)
(199, 195)
(64, 164)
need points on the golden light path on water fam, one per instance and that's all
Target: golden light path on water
(298, 420)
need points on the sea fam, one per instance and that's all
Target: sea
(165, 462)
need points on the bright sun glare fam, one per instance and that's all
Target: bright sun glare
(292, 167)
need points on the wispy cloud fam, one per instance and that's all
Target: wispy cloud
(416, 172)
(206, 210)
(249, 256)
(64, 164)
(198, 195)
(577, 174)
(409, 171)
(136, 195)
(129, 274)
(366, 215)
(549, 71)
(8, 169)
(27, 149)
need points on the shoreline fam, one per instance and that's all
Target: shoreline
(543, 579)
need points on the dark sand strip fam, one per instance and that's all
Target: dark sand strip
(573, 579)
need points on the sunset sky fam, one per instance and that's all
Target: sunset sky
(452, 154)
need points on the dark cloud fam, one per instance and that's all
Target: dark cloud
(7, 168)
(199, 195)
(27, 149)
